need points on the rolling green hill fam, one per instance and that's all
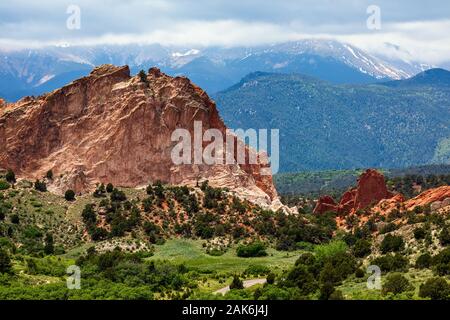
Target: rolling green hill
(325, 126)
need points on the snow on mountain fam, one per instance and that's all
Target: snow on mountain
(214, 68)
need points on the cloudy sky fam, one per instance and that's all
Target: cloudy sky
(419, 28)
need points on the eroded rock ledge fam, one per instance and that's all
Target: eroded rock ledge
(111, 127)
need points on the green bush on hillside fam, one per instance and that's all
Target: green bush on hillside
(69, 195)
(4, 185)
(392, 243)
(391, 262)
(256, 249)
(396, 283)
(435, 289)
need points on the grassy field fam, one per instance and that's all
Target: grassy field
(356, 289)
(191, 253)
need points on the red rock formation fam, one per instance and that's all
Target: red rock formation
(428, 197)
(370, 190)
(110, 127)
(325, 204)
(347, 203)
(436, 198)
(386, 206)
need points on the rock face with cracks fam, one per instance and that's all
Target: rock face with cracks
(111, 127)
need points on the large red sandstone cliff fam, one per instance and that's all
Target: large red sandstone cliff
(111, 127)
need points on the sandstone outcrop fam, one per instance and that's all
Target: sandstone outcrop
(436, 199)
(111, 127)
(325, 204)
(438, 196)
(387, 206)
(370, 190)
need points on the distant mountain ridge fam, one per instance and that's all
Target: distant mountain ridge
(326, 126)
(432, 77)
(33, 72)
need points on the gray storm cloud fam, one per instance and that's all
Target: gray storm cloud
(218, 22)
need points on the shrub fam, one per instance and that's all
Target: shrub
(4, 185)
(109, 188)
(435, 289)
(257, 270)
(147, 204)
(388, 228)
(441, 262)
(49, 175)
(444, 236)
(5, 261)
(149, 190)
(98, 234)
(40, 186)
(302, 279)
(88, 215)
(423, 261)
(362, 248)
(236, 283)
(238, 205)
(337, 267)
(158, 188)
(337, 295)
(396, 283)
(420, 233)
(69, 195)
(392, 243)
(48, 266)
(32, 232)
(391, 262)
(142, 76)
(326, 290)
(330, 249)
(271, 278)
(256, 249)
(328, 275)
(153, 231)
(100, 191)
(310, 262)
(359, 273)
(49, 246)
(238, 232)
(10, 176)
(350, 239)
(117, 195)
(306, 246)
(15, 219)
(204, 224)
(215, 252)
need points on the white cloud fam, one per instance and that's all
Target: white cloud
(421, 34)
(424, 41)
